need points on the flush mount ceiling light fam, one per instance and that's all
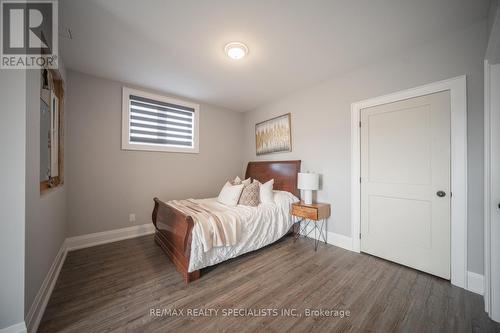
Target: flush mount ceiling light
(236, 50)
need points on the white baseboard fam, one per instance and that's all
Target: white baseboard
(333, 238)
(42, 297)
(98, 238)
(16, 328)
(475, 283)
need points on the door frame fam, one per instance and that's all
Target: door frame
(458, 103)
(490, 259)
(487, 188)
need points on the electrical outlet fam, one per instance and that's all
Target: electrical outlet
(131, 217)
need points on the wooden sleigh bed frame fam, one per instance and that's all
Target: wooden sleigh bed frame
(173, 228)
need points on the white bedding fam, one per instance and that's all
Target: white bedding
(260, 226)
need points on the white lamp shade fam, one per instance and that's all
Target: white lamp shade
(308, 181)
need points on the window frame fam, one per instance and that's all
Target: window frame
(126, 145)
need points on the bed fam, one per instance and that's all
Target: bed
(174, 229)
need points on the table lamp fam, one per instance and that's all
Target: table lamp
(308, 182)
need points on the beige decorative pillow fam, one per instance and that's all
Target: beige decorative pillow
(238, 181)
(250, 195)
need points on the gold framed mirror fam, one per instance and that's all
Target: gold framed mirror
(51, 130)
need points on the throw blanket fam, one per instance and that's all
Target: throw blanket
(213, 226)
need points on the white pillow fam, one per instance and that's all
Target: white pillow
(266, 191)
(284, 197)
(230, 194)
(238, 181)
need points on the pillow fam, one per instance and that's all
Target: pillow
(238, 181)
(266, 191)
(250, 195)
(230, 194)
(284, 197)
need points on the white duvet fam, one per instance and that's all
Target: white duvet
(259, 226)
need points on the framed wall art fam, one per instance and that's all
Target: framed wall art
(274, 135)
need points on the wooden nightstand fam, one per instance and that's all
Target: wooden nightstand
(315, 213)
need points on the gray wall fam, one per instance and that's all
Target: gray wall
(12, 200)
(45, 213)
(321, 121)
(45, 229)
(492, 13)
(105, 183)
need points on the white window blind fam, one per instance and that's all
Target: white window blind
(159, 123)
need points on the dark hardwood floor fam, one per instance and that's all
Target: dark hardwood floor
(114, 288)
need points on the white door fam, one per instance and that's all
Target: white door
(405, 182)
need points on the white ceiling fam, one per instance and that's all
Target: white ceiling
(176, 46)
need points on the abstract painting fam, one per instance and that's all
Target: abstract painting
(273, 135)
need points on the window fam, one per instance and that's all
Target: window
(158, 123)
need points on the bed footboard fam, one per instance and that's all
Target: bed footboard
(173, 235)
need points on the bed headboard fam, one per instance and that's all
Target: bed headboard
(284, 174)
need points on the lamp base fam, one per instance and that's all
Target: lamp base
(308, 196)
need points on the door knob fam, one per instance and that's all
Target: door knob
(440, 193)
